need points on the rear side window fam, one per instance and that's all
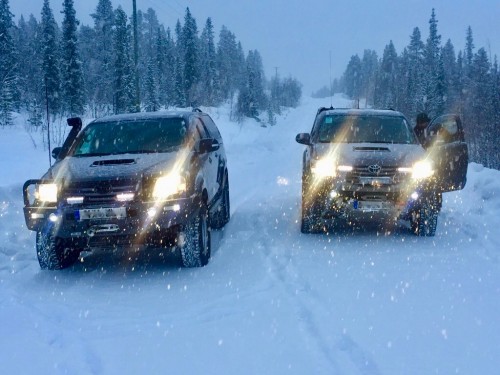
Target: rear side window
(212, 128)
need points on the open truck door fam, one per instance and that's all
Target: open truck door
(446, 140)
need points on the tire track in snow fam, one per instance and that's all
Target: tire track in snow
(308, 304)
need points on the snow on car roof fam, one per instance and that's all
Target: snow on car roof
(365, 111)
(143, 116)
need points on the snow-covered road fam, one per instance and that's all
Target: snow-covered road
(271, 300)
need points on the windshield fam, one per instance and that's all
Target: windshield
(365, 129)
(138, 136)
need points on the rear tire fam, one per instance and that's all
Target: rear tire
(223, 215)
(54, 253)
(196, 249)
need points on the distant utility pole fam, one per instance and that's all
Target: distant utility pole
(136, 60)
(48, 119)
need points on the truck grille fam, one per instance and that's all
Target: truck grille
(375, 171)
(97, 192)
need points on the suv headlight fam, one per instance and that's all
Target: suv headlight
(324, 168)
(169, 185)
(422, 169)
(47, 193)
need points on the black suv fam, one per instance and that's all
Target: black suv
(364, 164)
(147, 179)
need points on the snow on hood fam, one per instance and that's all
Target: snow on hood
(112, 166)
(368, 153)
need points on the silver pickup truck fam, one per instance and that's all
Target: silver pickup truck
(365, 164)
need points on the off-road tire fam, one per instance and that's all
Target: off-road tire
(223, 215)
(54, 253)
(424, 220)
(195, 252)
(310, 216)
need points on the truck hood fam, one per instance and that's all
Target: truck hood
(383, 154)
(113, 166)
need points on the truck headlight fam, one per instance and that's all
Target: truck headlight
(324, 168)
(47, 193)
(422, 169)
(168, 185)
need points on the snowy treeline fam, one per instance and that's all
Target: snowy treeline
(75, 69)
(431, 77)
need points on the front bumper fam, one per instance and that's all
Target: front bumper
(337, 197)
(117, 223)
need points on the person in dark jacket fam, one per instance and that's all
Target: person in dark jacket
(422, 123)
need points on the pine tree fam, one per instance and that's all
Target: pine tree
(415, 89)
(102, 74)
(191, 72)
(469, 51)
(353, 78)
(151, 100)
(179, 92)
(28, 44)
(72, 85)
(385, 88)
(8, 71)
(432, 52)
(369, 66)
(228, 64)
(481, 106)
(123, 86)
(50, 60)
(168, 67)
(451, 79)
(208, 67)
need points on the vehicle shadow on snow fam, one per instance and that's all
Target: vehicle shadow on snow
(369, 228)
(136, 259)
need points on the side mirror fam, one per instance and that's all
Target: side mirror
(206, 145)
(56, 151)
(303, 138)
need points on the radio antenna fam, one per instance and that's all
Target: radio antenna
(331, 89)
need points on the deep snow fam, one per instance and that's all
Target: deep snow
(271, 300)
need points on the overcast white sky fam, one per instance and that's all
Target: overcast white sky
(296, 36)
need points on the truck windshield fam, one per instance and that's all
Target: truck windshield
(138, 136)
(365, 129)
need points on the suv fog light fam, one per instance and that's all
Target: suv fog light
(414, 195)
(74, 200)
(53, 217)
(334, 194)
(152, 212)
(125, 197)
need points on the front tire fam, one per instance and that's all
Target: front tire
(424, 220)
(54, 253)
(311, 218)
(196, 250)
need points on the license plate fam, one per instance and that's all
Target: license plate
(370, 206)
(101, 213)
(375, 181)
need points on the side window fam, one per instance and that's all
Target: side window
(199, 129)
(212, 128)
(445, 129)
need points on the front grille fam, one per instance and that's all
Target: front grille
(373, 171)
(100, 191)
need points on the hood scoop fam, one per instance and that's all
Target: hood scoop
(372, 149)
(99, 163)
